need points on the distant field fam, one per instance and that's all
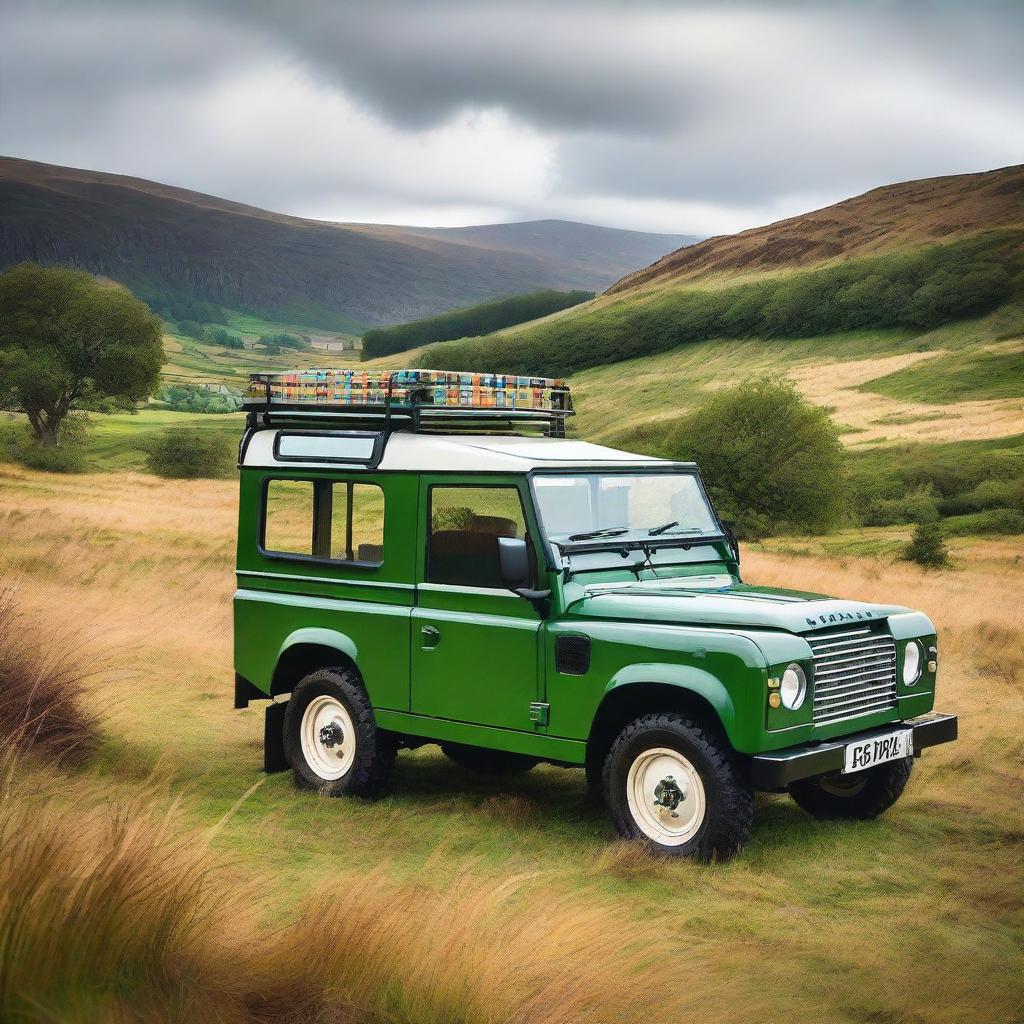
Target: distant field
(190, 360)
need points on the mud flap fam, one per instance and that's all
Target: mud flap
(274, 759)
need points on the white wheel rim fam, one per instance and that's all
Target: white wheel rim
(328, 738)
(666, 796)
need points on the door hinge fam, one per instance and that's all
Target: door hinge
(539, 713)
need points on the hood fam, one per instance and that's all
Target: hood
(736, 606)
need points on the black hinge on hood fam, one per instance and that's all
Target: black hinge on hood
(572, 655)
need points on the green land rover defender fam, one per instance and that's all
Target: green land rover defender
(426, 558)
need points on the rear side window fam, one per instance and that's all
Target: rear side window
(340, 520)
(465, 524)
(289, 517)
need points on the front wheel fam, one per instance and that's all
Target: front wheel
(862, 795)
(331, 737)
(677, 786)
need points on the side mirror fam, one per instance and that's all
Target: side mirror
(517, 572)
(514, 560)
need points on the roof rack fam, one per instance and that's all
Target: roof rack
(423, 401)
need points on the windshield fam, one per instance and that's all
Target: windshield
(593, 507)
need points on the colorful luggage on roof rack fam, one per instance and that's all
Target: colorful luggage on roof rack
(436, 388)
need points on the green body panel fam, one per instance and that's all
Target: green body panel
(465, 663)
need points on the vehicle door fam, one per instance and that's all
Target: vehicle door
(474, 643)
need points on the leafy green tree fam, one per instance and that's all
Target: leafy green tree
(927, 547)
(70, 341)
(772, 461)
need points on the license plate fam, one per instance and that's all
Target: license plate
(878, 749)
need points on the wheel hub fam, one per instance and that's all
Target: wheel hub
(667, 794)
(331, 735)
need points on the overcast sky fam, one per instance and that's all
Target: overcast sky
(672, 116)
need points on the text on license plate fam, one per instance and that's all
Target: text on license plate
(878, 749)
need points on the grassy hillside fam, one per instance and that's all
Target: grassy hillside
(470, 320)
(458, 898)
(172, 245)
(916, 289)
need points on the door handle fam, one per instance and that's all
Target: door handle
(431, 636)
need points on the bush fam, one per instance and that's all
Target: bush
(222, 336)
(771, 460)
(482, 318)
(198, 398)
(66, 456)
(921, 288)
(919, 506)
(191, 329)
(994, 520)
(927, 547)
(42, 688)
(189, 454)
(280, 342)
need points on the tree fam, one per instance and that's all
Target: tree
(771, 460)
(927, 547)
(70, 341)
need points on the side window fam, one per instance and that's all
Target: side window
(357, 522)
(465, 524)
(339, 520)
(289, 517)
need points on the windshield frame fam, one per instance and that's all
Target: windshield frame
(660, 541)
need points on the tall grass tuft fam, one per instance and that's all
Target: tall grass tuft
(43, 704)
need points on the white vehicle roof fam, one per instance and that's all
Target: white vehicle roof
(464, 453)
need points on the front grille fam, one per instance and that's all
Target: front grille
(854, 673)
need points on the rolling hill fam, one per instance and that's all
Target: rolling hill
(166, 242)
(907, 214)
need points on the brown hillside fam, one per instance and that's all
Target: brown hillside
(890, 217)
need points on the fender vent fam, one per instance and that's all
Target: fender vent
(572, 655)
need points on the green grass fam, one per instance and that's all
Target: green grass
(956, 377)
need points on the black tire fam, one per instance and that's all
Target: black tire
(863, 795)
(488, 762)
(375, 750)
(728, 798)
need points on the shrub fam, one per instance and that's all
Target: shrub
(772, 461)
(67, 456)
(280, 342)
(42, 688)
(993, 520)
(453, 517)
(222, 336)
(919, 506)
(927, 547)
(482, 318)
(191, 329)
(189, 454)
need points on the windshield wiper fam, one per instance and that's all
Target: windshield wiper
(608, 531)
(662, 528)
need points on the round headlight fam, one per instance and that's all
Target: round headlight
(794, 687)
(913, 656)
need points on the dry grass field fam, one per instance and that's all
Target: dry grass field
(169, 880)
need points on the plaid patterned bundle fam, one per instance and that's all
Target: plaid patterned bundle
(439, 388)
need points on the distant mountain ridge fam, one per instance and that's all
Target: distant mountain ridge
(897, 216)
(164, 240)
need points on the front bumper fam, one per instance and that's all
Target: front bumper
(775, 771)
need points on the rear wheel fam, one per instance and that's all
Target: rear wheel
(863, 795)
(677, 786)
(331, 737)
(488, 762)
